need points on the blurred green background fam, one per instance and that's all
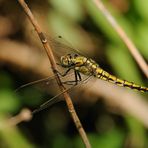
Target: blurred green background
(82, 25)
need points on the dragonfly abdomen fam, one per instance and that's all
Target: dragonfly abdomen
(90, 67)
(101, 74)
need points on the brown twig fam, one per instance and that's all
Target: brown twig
(24, 115)
(132, 48)
(54, 68)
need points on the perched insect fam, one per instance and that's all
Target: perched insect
(86, 66)
(74, 60)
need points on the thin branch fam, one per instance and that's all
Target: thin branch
(54, 69)
(131, 47)
(24, 115)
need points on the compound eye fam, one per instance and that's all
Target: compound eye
(63, 60)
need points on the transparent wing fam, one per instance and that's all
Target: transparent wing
(39, 91)
(56, 98)
(61, 47)
(51, 101)
(44, 80)
(46, 88)
(45, 83)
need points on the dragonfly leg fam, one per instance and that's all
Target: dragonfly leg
(65, 73)
(80, 79)
(77, 79)
(77, 75)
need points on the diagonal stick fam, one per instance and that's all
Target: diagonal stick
(54, 69)
(131, 47)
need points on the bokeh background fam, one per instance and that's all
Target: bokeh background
(112, 117)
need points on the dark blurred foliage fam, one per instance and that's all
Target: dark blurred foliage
(22, 59)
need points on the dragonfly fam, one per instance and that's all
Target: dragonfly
(75, 61)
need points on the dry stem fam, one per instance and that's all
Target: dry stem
(24, 115)
(131, 47)
(54, 68)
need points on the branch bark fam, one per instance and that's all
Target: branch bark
(54, 69)
(131, 47)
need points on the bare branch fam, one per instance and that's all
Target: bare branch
(131, 47)
(24, 115)
(54, 69)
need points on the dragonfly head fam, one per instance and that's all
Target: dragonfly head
(67, 60)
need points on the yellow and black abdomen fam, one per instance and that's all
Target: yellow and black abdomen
(90, 67)
(101, 74)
